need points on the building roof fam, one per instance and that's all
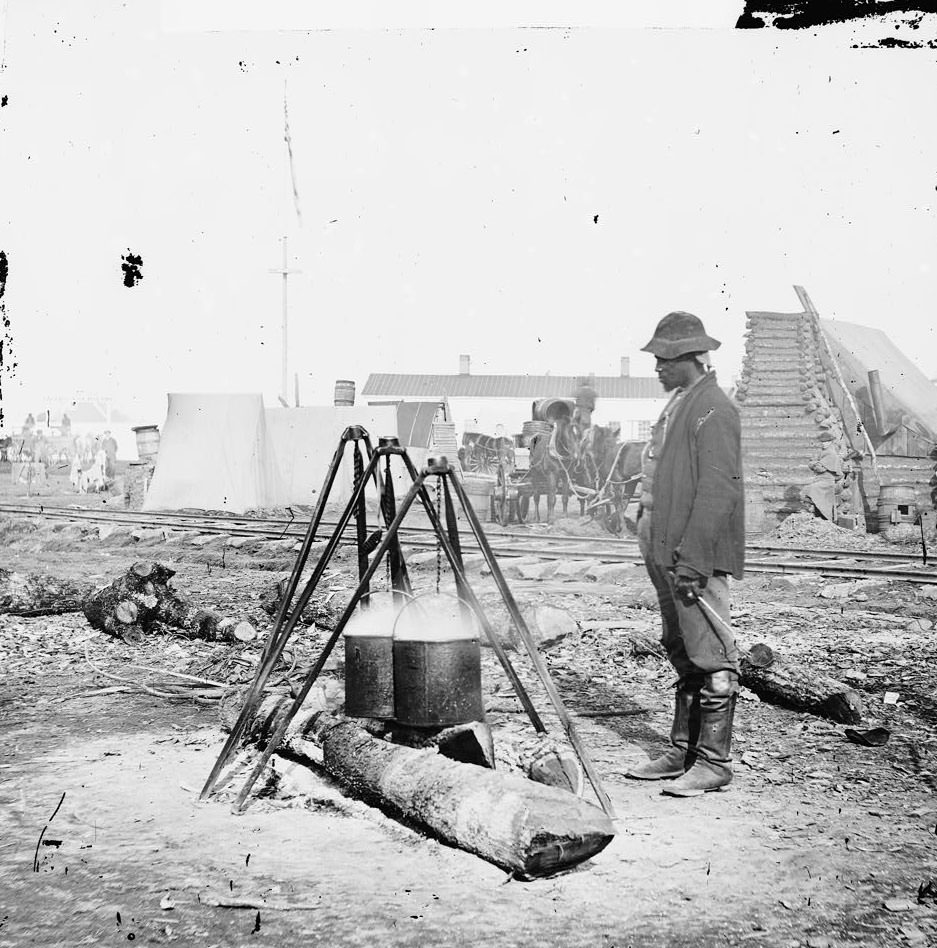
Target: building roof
(506, 386)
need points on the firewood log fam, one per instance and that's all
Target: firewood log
(782, 681)
(33, 594)
(527, 828)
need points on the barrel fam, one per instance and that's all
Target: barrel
(897, 503)
(437, 664)
(344, 392)
(553, 409)
(147, 441)
(369, 659)
(531, 428)
(479, 489)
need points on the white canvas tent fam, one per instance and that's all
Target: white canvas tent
(215, 454)
(227, 452)
(303, 442)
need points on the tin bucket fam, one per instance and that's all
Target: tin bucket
(437, 663)
(369, 657)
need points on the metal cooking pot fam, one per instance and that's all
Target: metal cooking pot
(369, 656)
(437, 663)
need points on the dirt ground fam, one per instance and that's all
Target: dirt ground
(819, 841)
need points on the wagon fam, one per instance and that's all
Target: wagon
(513, 489)
(485, 454)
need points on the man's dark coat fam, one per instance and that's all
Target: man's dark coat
(699, 505)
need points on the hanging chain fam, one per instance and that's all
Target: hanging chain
(438, 541)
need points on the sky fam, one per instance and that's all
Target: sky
(535, 198)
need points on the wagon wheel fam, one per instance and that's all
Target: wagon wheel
(499, 500)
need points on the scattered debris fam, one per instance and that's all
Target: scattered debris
(874, 737)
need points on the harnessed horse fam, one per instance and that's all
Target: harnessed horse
(548, 474)
(616, 468)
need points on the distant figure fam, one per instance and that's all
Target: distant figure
(821, 492)
(75, 474)
(40, 448)
(96, 475)
(29, 424)
(109, 446)
(66, 426)
(852, 488)
(585, 404)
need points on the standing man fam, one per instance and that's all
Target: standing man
(109, 445)
(821, 492)
(585, 396)
(691, 531)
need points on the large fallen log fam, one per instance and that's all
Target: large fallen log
(530, 827)
(527, 828)
(538, 757)
(34, 594)
(781, 681)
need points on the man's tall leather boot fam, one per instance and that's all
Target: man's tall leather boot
(712, 769)
(683, 734)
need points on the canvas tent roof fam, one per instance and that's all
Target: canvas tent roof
(910, 397)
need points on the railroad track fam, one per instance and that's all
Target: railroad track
(761, 558)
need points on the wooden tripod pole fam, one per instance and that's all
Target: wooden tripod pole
(390, 538)
(277, 737)
(279, 636)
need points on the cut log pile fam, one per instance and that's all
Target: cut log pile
(142, 601)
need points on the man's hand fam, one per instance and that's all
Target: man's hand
(688, 584)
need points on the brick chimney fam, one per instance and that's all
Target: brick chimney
(465, 365)
(625, 367)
